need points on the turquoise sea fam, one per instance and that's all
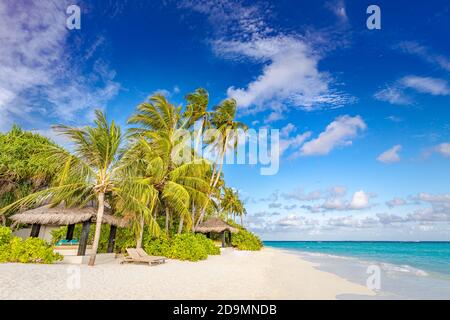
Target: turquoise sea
(410, 270)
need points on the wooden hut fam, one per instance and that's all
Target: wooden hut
(62, 216)
(216, 225)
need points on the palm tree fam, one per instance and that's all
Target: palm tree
(232, 205)
(178, 183)
(198, 107)
(89, 174)
(223, 120)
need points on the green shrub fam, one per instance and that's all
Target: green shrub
(157, 246)
(211, 248)
(245, 240)
(5, 235)
(185, 246)
(31, 250)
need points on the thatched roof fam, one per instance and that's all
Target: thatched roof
(215, 225)
(61, 216)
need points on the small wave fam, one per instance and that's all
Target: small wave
(403, 269)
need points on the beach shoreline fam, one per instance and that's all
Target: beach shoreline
(266, 274)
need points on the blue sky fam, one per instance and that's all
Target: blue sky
(364, 114)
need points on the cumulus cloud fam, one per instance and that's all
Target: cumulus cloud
(290, 75)
(290, 72)
(337, 133)
(360, 200)
(391, 155)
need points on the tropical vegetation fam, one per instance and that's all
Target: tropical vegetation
(152, 175)
(30, 250)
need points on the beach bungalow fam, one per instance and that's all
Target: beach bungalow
(46, 218)
(216, 225)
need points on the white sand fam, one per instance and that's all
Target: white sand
(267, 274)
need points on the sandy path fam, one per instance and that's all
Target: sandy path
(268, 274)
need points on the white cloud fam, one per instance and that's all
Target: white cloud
(337, 133)
(393, 95)
(40, 78)
(391, 155)
(412, 47)
(395, 202)
(360, 200)
(443, 149)
(429, 85)
(290, 75)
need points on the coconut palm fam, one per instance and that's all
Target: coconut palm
(89, 174)
(223, 120)
(198, 107)
(232, 205)
(178, 181)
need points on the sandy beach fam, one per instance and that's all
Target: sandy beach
(267, 274)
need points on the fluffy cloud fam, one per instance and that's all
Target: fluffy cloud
(290, 75)
(391, 155)
(360, 200)
(337, 133)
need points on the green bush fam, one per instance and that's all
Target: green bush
(245, 240)
(5, 236)
(31, 250)
(185, 246)
(157, 246)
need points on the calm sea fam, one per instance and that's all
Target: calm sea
(410, 270)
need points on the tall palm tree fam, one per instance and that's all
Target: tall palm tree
(223, 119)
(198, 107)
(177, 182)
(232, 205)
(89, 174)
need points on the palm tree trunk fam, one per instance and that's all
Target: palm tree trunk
(180, 226)
(193, 217)
(98, 227)
(141, 233)
(197, 138)
(167, 221)
(242, 220)
(202, 214)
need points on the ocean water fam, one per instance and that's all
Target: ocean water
(408, 270)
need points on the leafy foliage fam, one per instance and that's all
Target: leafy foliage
(244, 239)
(31, 250)
(5, 236)
(23, 169)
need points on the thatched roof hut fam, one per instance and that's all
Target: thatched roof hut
(215, 225)
(62, 216)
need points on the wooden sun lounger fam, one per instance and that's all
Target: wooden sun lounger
(140, 256)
